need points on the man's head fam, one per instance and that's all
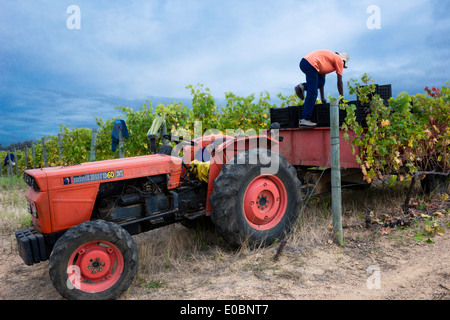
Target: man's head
(345, 57)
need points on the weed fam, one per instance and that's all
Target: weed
(428, 230)
(155, 284)
(422, 206)
(14, 183)
(167, 264)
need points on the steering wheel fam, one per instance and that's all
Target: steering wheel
(178, 140)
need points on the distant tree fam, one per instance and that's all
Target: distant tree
(17, 146)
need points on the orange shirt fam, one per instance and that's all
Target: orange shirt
(325, 61)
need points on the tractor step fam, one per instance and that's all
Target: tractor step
(195, 215)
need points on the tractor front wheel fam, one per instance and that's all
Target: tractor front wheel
(250, 203)
(94, 260)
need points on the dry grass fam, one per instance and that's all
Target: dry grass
(175, 251)
(13, 211)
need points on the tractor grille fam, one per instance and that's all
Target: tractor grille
(29, 180)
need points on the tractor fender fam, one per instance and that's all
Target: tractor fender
(228, 149)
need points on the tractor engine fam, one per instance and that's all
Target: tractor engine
(143, 204)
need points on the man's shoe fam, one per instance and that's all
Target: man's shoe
(300, 91)
(306, 123)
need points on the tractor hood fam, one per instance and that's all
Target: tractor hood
(47, 179)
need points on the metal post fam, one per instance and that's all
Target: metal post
(93, 144)
(335, 172)
(44, 150)
(60, 152)
(9, 170)
(26, 157)
(33, 155)
(121, 149)
(16, 162)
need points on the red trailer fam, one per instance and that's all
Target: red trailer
(311, 148)
(308, 150)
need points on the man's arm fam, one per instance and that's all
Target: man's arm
(340, 86)
(322, 95)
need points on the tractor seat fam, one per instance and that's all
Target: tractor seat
(165, 149)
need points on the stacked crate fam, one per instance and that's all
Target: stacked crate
(323, 115)
(362, 110)
(289, 117)
(286, 117)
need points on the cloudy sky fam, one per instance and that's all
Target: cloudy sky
(53, 71)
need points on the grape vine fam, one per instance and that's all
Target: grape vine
(410, 134)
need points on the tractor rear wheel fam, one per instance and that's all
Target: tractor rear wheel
(94, 260)
(250, 206)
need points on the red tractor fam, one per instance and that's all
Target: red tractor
(84, 216)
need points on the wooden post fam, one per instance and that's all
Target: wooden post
(93, 144)
(33, 155)
(60, 140)
(335, 173)
(44, 152)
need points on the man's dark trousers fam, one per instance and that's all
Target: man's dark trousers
(314, 81)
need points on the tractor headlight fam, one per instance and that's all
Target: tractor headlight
(32, 208)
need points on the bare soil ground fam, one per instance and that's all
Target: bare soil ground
(177, 263)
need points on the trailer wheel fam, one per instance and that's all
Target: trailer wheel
(254, 207)
(94, 260)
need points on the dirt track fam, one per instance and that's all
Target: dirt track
(408, 270)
